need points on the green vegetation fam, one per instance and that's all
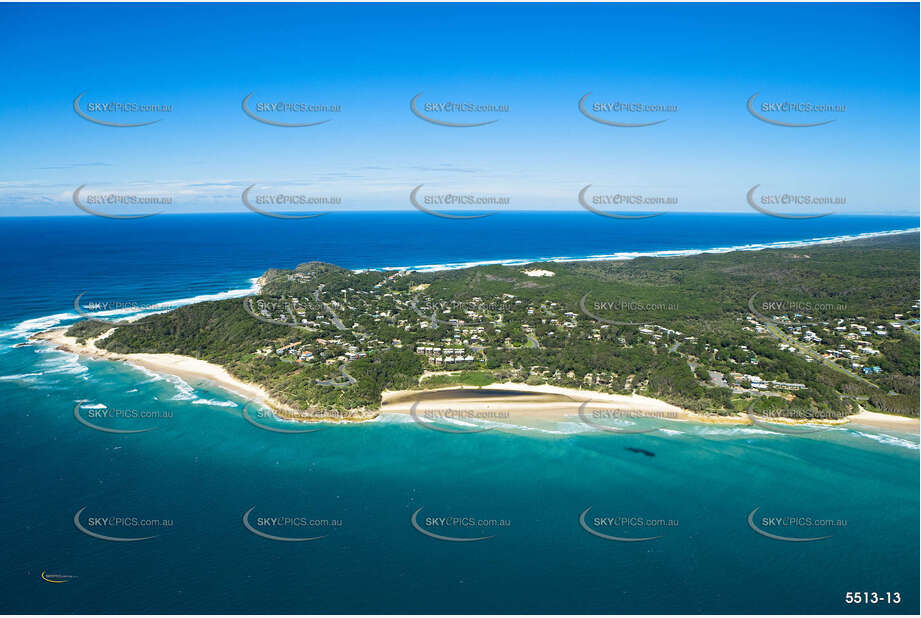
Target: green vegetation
(88, 329)
(461, 378)
(833, 327)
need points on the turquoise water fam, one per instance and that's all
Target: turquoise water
(202, 466)
(205, 466)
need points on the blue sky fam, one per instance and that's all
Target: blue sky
(539, 60)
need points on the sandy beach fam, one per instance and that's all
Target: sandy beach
(511, 403)
(184, 367)
(885, 421)
(525, 405)
(541, 405)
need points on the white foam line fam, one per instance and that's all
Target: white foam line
(29, 327)
(631, 255)
(890, 440)
(20, 376)
(215, 402)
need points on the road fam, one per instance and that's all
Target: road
(349, 380)
(718, 379)
(327, 308)
(432, 318)
(774, 330)
(906, 325)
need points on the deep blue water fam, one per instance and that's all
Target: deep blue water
(47, 261)
(204, 466)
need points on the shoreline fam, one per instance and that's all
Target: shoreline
(258, 281)
(188, 369)
(631, 255)
(878, 420)
(552, 408)
(526, 405)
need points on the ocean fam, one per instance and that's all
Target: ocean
(374, 496)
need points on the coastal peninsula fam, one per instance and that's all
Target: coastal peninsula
(812, 334)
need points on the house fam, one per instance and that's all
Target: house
(787, 386)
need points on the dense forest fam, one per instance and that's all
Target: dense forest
(588, 318)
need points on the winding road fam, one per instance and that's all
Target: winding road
(349, 380)
(327, 308)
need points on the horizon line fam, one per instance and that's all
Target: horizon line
(900, 214)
